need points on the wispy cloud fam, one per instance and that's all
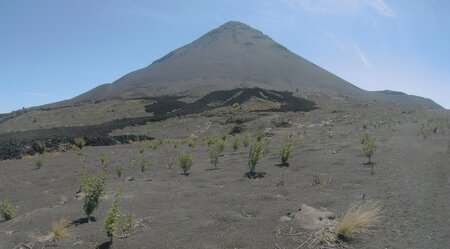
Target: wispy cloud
(341, 7)
(363, 57)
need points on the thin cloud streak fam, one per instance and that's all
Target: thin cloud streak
(363, 57)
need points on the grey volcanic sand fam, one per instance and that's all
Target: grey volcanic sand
(222, 209)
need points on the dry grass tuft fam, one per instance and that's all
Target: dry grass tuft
(358, 219)
(59, 229)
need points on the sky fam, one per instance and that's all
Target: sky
(52, 50)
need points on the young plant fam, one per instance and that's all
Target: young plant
(127, 223)
(80, 142)
(214, 154)
(94, 188)
(112, 218)
(40, 147)
(221, 145)
(119, 170)
(255, 154)
(39, 162)
(284, 153)
(186, 161)
(236, 144)
(104, 160)
(144, 165)
(368, 145)
(8, 211)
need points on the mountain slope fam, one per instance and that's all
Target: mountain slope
(233, 55)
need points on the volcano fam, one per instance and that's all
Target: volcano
(231, 56)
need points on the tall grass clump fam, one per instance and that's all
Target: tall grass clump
(60, 229)
(358, 219)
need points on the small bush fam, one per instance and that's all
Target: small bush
(368, 147)
(210, 140)
(40, 147)
(8, 211)
(255, 154)
(214, 154)
(284, 153)
(331, 134)
(112, 218)
(144, 165)
(39, 162)
(119, 170)
(94, 188)
(80, 142)
(358, 219)
(127, 223)
(186, 161)
(236, 144)
(59, 229)
(260, 135)
(221, 145)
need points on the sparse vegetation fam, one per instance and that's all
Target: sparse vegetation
(119, 170)
(80, 142)
(60, 229)
(40, 147)
(255, 154)
(214, 154)
(186, 161)
(7, 210)
(112, 218)
(236, 144)
(39, 162)
(127, 223)
(191, 142)
(94, 188)
(368, 145)
(144, 165)
(284, 152)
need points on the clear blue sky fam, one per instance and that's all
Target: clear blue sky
(52, 50)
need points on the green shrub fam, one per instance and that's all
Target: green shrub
(94, 188)
(255, 154)
(284, 152)
(8, 211)
(211, 140)
(119, 170)
(80, 142)
(186, 161)
(112, 218)
(39, 162)
(236, 144)
(127, 223)
(144, 165)
(221, 145)
(368, 147)
(40, 147)
(214, 154)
